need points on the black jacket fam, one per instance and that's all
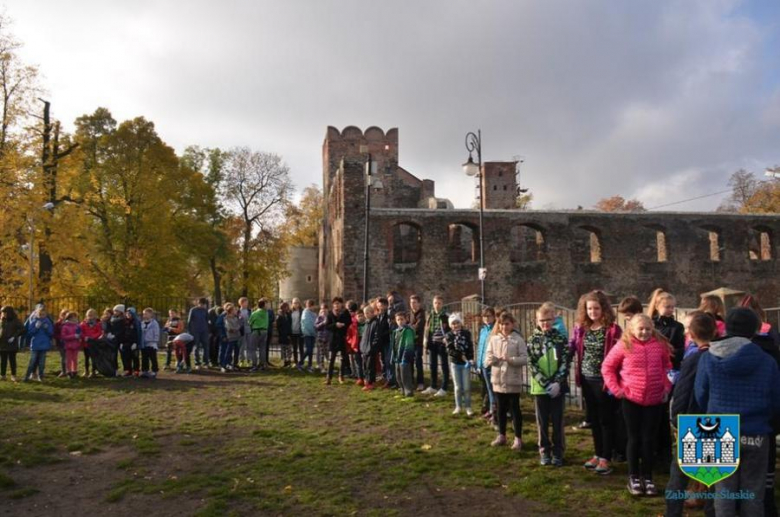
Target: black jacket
(284, 327)
(683, 396)
(369, 343)
(338, 336)
(674, 331)
(383, 330)
(460, 346)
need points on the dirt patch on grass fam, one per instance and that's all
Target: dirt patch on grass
(82, 485)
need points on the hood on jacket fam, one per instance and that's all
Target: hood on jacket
(727, 347)
(737, 355)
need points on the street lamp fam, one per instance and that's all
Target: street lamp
(370, 170)
(474, 144)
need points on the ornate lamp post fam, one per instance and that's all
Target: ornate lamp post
(474, 144)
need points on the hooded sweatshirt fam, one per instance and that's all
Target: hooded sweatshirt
(736, 377)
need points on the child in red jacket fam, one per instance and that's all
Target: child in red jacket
(91, 333)
(635, 371)
(353, 344)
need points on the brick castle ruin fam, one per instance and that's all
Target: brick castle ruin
(420, 244)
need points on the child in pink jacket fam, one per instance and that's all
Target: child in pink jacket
(70, 337)
(635, 371)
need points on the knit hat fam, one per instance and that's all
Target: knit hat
(119, 308)
(742, 322)
(456, 316)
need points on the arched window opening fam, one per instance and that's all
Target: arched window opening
(407, 241)
(463, 246)
(760, 244)
(527, 244)
(587, 245)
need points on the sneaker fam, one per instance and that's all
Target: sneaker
(188, 370)
(592, 463)
(456, 411)
(222, 370)
(253, 369)
(327, 381)
(359, 382)
(583, 425)
(500, 440)
(153, 375)
(421, 387)
(368, 387)
(557, 462)
(144, 375)
(310, 369)
(517, 444)
(469, 412)
(440, 393)
(13, 378)
(429, 391)
(128, 373)
(603, 467)
(341, 379)
(650, 489)
(61, 375)
(544, 460)
(39, 378)
(635, 486)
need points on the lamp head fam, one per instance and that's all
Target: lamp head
(470, 168)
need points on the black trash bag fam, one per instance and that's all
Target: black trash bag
(104, 356)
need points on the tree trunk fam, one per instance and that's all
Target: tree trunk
(245, 260)
(217, 276)
(45, 265)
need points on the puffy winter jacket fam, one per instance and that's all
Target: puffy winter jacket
(736, 376)
(484, 336)
(638, 374)
(577, 344)
(90, 332)
(151, 333)
(549, 359)
(11, 329)
(307, 323)
(40, 331)
(70, 335)
(506, 376)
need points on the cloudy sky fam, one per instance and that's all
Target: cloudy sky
(655, 99)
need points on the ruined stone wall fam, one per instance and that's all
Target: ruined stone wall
(578, 251)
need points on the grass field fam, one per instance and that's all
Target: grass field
(277, 443)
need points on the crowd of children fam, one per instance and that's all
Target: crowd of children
(635, 378)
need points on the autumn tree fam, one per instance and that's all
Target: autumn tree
(255, 186)
(619, 204)
(752, 195)
(303, 219)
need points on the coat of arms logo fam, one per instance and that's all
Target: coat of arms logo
(708, 446)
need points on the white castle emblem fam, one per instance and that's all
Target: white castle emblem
(707, 446)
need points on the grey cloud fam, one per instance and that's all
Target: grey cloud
(658, 99)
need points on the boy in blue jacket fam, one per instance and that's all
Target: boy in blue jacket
(736, 377)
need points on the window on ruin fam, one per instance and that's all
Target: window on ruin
(527, 243)
(495, 187)
(760, 244)
(660, 246)
(587, 245)
(500, 173)
(714, 238)
(309, 278)
(463, 245)
(504, 187)
(407, 243)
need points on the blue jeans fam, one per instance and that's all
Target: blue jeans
(37, 360)
(226, 353)
(437, 351)
(201, 344)
(308, 349)
(461, 378)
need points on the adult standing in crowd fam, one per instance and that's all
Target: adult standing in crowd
(198, 327)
